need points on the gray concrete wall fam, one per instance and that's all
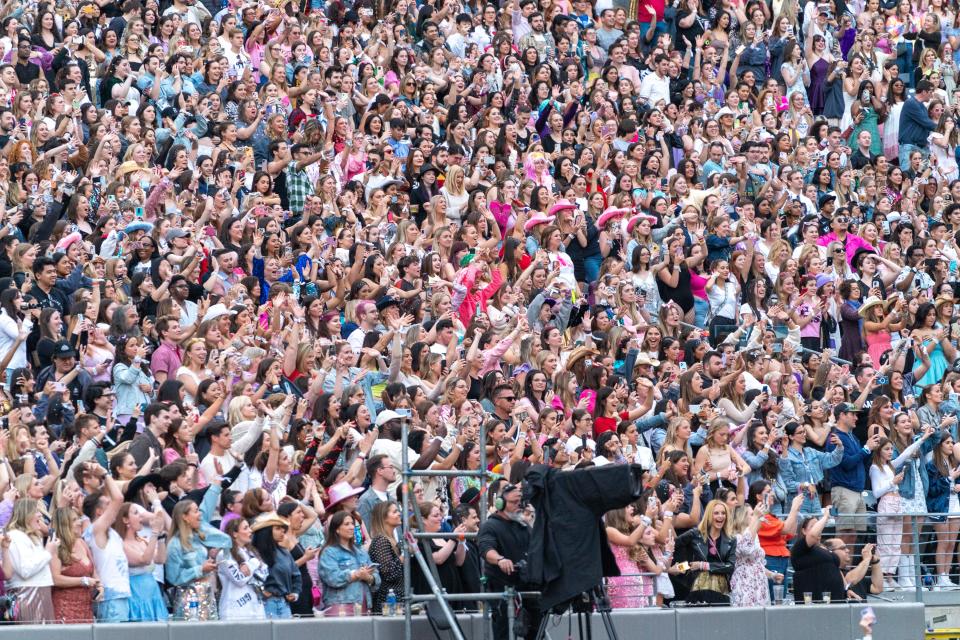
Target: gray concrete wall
(902, 621)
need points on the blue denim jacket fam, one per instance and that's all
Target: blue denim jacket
(183, 566)
(907, 487)
(806, 465)
(336, 564)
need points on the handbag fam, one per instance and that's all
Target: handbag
(9, 608)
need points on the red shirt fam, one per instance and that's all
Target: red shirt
(643, 15)
(602, 424)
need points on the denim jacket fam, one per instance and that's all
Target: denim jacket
(938, 491)
(806, 465)
(907, 487)
(336, 564)
(183, 566)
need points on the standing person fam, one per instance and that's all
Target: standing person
(26, 564)
(748, 584)
(712, 550)
(385, 552)
(504, 540)
(885, 479)
(803, 467)
(942, 500)
(448, 555)
(282, 584)
(143, 554)
(74, 576)
(242, 573)
(915, 124)
(913, 491)
(345, 568)
(774, 533)
(849, 477)
(101, 509)
(816, 569)
(192, 545)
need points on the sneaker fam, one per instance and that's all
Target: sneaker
(889, 584)
(944, 582)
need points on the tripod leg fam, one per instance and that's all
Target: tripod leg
(542, 629)
(608, 625)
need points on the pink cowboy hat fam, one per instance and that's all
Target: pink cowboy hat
(561, 205)
(537, 220)
(632, 222)
(610, 214)
(340, 492)
(68, 240)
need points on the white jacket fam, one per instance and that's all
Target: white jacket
(238, 598)
(31, 562)
(9, 331)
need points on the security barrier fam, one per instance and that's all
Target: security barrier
(902, 621)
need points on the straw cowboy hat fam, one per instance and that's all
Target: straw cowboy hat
(869, 303)
(578, 354)
(269, 520)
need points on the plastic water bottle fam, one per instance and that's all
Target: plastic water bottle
(391, 605)
(193, 605)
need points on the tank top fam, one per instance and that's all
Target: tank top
(111, 563)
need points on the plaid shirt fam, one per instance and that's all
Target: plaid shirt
(299, 187)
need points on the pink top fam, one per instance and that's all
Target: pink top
(698, 285)
(851, 244)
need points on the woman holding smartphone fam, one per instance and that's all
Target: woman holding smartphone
(348, 576)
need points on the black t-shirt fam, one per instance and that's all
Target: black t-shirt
(691, 32)
(816, 570)
(26, 72)
(681, 294)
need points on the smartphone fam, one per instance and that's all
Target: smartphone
(695, 408)
(522, 416)
(765, 389)
(404, 413)
(683, 366)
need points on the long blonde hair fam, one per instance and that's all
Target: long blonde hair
(704, 526)
(450, 183)
(180, 528)
(63, 520)
(23, 510)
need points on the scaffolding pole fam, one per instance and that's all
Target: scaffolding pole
(426, 560)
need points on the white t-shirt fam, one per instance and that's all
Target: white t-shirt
(394, 450)
(111, 563)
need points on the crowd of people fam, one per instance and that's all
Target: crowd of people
(242, 243)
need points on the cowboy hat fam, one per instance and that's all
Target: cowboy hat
(610, 214)
(537, 220)
(340, 492)
(578, 354)
(139, 482)
(942, 300)
(644, 359)
(872, 301)
(634, 220)
(561, 205)
(269, 520)
(216, 311)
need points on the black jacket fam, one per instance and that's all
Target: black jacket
(569, 553)
(697, 548)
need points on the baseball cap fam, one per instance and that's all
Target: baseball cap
(843, 407)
